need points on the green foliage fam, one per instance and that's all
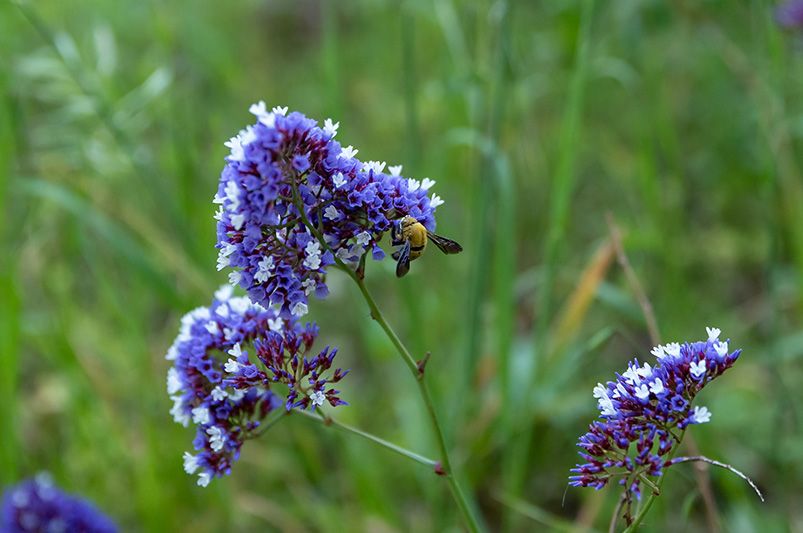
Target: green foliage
(684, 122)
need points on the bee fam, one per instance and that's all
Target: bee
(412, 236)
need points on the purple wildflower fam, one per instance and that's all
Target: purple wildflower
(226, 392)
(37, 505)
(790, 14)
(285, 172)
(643, 409)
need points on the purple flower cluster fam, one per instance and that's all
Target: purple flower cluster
(215, 385)
(790, 14)
(644, 412)
(285, 173)
(37, 505)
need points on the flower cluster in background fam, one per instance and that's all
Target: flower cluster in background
(644, 412)
(790, 14)
(218, 385)
(285, 172)
(38, 505)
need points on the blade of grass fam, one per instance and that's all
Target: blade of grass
(515, 462)
(504, 268)
(486, 207)
(574, 311)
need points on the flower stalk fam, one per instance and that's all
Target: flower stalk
(444, 468)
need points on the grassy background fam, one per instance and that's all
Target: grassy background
(681, 119)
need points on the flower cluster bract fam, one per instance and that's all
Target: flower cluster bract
(642, 411)
(285, 172)
(216, 385)
(37, 505)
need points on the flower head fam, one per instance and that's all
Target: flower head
(790, 14)
(285, 174)
(642, 412)
(227, 359)
(38, 505)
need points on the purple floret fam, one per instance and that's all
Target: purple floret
(38, 505)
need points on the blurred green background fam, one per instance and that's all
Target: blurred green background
(683, 120)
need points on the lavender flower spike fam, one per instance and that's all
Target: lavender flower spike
(642, 412)
(38, 505)
(226, 359)
(285, 170)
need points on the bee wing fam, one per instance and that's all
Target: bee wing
(447, 246)
(403, 266)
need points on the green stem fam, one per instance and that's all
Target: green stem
(643, 512)
(656, 491)
(446, 467)
(329, 421)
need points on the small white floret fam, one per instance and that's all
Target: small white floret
(264, 269)
(376, 166)
(204, 478)
(299, 309)
(339, 180)
(672, 349)
(435, 201)
(658, 352)
(395, 170)
(236, 395)
(200, 415)
(190, 463)
(258, 109)
(606, 407)
(697, 369)
(224, 292)
(426, 183)
(232, 195)
(275, 324)
(317, 398)
(237, 221)
(642, 392)
(217, 438)
(644, 371)
(657, 386)
(236, 147)
(330, 128)
(309, 286)
(348, 152)
(173, 381)
(236, 350)
(218, 394)
(713, 333)
(701, 415)
(331, 213)
(721, 348)
(600, 391)
(222, 310)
